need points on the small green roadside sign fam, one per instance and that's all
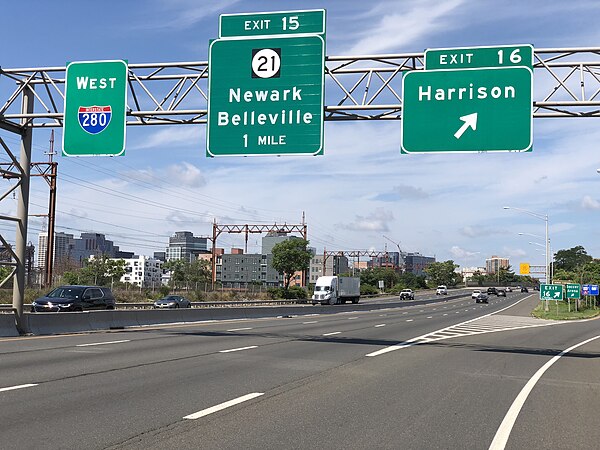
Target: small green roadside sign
(479, 57)
(467, 110)
(551, 292)
(573, 291)
(95, 102)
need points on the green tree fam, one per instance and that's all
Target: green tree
(373, 275)
(571, 259)
(289, 257)
(98, 271)
(443, 273)
(184, 273)
(412, 281)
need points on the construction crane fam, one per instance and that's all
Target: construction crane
(401, 264)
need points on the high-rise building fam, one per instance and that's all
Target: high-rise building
(92, 244)
(64, 245)
(417, 263)
(495, 263)
(184, 245)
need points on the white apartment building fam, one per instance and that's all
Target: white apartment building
(469, 272)
(143, 271)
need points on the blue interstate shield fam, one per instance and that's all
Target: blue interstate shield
(94, 119)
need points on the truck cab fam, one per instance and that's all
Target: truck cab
(325, 291)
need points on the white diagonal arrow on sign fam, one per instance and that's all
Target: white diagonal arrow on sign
(470, 120)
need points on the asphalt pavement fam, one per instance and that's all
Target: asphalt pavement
(438, 375)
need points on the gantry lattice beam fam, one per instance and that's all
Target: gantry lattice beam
(369, 87)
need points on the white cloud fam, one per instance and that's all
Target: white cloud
(458, 252)
(589, 203)
(401, 23)
(182, 14)
(185, 174)
(378, 220)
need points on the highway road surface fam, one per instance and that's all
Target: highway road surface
(445, 375)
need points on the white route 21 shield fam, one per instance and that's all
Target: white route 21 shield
(94, 119)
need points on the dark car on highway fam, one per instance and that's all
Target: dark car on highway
(75, 298)
(481, 297)
(501, 293)
(172, 301)
(524, 289)
(492, 291)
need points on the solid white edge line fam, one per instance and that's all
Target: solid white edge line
(21, 386)
(240, 329)
(310, 321)
(103, 343)
(238, 349)
(331, 334)
(214, 409)
(503, 432)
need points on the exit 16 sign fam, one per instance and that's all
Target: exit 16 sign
(95, 100)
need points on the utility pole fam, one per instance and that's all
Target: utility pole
(48, 171)
(51, 180)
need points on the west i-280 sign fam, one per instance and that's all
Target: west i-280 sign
(95, 99)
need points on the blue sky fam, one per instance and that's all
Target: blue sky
(362, 189)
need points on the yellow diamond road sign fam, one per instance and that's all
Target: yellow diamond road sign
(524, 268)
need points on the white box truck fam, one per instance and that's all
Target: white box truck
(334, 290)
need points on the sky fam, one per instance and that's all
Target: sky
(362, 194)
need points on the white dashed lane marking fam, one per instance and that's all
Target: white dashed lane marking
(238, 349)
(213, 409)
(21, 386)
(102, 343)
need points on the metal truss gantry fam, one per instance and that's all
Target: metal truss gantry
(253, 229)
(365, 87)
(369, 87)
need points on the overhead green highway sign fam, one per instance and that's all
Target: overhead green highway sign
(266, 85)
(479, 57)
(467, 110)
(272, 23)
(95, 100)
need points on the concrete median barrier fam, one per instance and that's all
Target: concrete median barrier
(158, 316)
(124, 319)
(57, 323)
(8, 327)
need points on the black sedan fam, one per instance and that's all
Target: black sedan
(172, 301)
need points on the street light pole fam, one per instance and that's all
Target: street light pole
(543, 217)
